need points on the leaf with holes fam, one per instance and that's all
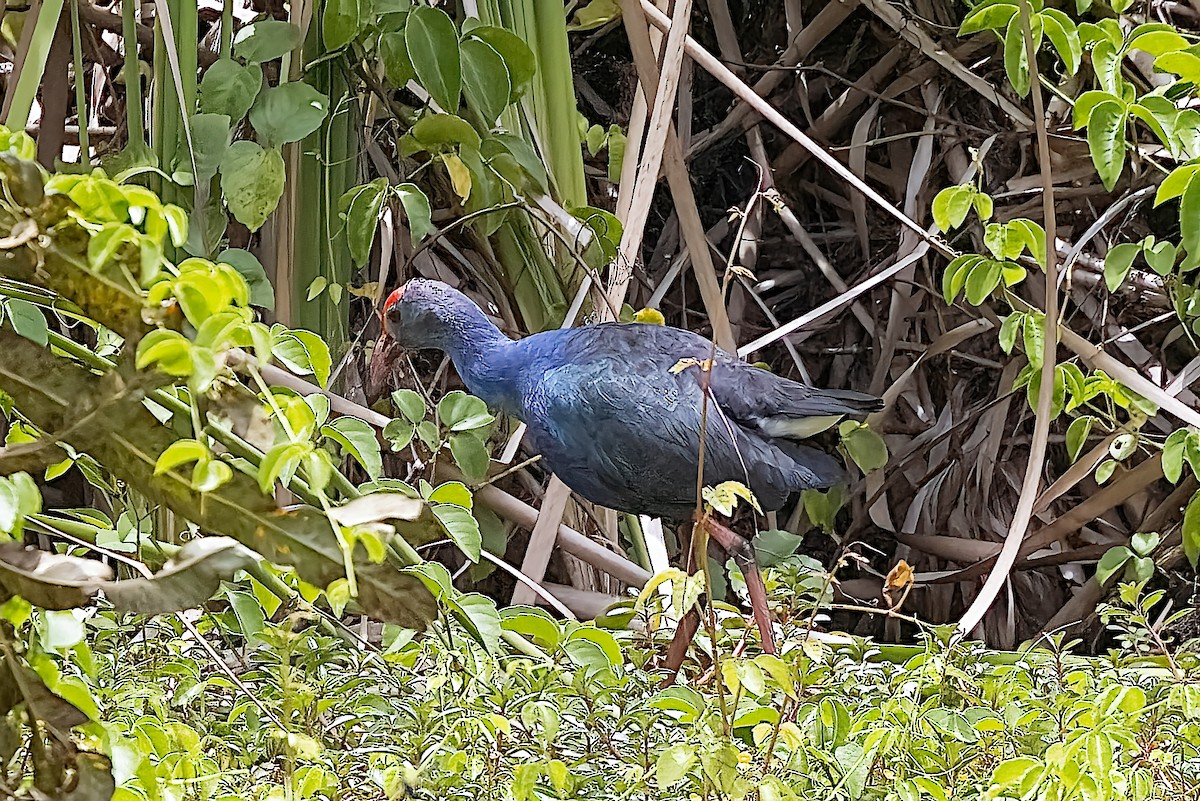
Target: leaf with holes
(252, 181)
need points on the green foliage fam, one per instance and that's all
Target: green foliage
(452, 717)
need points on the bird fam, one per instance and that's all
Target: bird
(616, 411)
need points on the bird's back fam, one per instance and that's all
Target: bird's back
(616, 409)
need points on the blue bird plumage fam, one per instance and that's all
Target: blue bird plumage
(612, 413)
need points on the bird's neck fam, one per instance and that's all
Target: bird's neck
(484, 359)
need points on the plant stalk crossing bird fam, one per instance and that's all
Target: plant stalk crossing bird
(615, 410)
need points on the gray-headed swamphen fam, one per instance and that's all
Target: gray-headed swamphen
(615, 409)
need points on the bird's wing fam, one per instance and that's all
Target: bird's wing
(618, 437)
(621, 425)
(757, 399)
(779, 407)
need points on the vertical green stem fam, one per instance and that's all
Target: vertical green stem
(29, 74)
(227, 29)
(175, 65)
(133, 75)
(81, 105)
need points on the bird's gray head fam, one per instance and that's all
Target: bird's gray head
(428, 314)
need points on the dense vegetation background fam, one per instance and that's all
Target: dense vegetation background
(250, 549)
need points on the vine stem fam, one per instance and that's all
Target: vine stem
(1041, 429)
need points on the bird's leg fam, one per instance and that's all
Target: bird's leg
(689, 624)
(742, 552)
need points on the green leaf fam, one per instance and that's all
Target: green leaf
(480, 616)
(252, 180)
(1013, 772)
(1113, 561)
(1161, 116)
(288, 113)
(361, 207)
(266, 40)
(104, 245)
(28, 321)
(1064, 36)
(1156, 40)
(1088, 101)
(229, 88)
(1173, 454)
(1106, 141)
(454, 492)
(445, 132)
(1106, 64)
(518, 58)
(179, 453)
(866, 448)
(210, 140)
(433, 47)
(1032, 237)
(982, 280)
(1144, 543)
(955, 275)
(358, 439)
(987, 17)
(1016, 64)
(951, 206)
(1176, 182)
(1191, 530)
(772, 547)
(281, 463)
(1008, 331)
(605, 226)
(673, 764)
(1183, 63)
(1161, 257)
(249, 267)
(210, 474)
(1105, 470)
(1077, 435)
(485, 80)
(471, 455)
(168, 351)
(1118, 263)
(462, 528)
(1033, 338)
(393, 52)
(399, 433)
(343, 20)
(532, 622)
(410, 404)
(417, 210)
(302, 352)
(459, 411)
(1189, 218)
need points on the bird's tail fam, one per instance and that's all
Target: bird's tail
(816, 410)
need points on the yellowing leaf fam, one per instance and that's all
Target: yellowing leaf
(460, 176)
